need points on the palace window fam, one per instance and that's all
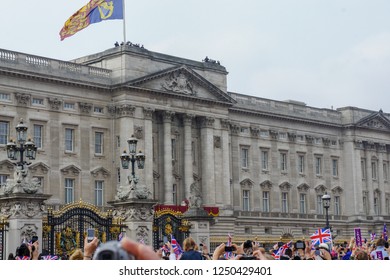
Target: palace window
(301, 164)
(302, 203)
(283, 161)
(244, 157)
(318, 165)
(320, 206)
(37, 101)
(99, 188)
(4, 132)
(99, 143)
(284, 202)
(69, 190)
(335, 167)
(38, 135)
(245, 200)
(69, 139)
(337, 210)
(374, 170)
(264, 160)
(266, 207)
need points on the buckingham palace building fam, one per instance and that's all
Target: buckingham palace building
(261, 166)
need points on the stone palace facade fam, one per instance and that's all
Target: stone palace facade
(264, 163)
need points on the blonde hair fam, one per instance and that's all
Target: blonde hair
(77, 255)
(188, 244)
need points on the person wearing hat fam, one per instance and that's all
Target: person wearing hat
(324, 251)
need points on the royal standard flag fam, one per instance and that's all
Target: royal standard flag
(95, 11)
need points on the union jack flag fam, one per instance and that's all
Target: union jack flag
(120, 236)
(228, 255)
(373, 236)
(23, 258)
(49, 257)
(176, 247)
(280, 252)
(384, 233)
(322, 235)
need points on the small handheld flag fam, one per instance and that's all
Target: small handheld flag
(322, 235)
(176, 247)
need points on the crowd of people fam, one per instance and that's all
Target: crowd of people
(249, 250)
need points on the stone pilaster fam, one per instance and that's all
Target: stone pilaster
(168, 167)
(226, 189)
(208, 176)
(188, 160)
(148, 138)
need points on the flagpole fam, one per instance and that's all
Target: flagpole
(124, 21)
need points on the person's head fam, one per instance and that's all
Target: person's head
(361, 255)
(11, 256)
(324, 246)
(189, 244)
(288, 252)
(248, 247)
(23, 251)
(380, 242)
(77, 255)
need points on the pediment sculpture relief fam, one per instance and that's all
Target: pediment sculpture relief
(179, 82)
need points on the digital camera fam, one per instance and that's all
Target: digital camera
(112, 250)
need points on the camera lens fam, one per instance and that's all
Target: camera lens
(106, 256)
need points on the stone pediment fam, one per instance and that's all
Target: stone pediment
(7, 165)
(182, 81)
(247, 183)
(100, 171)
(375, 121)
(71, 170)
(39, 168)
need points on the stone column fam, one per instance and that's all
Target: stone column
(188, 160)
(207, 160)
(236, 167)
(226, 186)
(353, 179)
(370, 187)
(148, 138)
(125, 113)
(168, 180)
(381, 178)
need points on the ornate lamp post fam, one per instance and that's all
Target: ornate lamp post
(326, 202)
(132, 157)
(17, 151)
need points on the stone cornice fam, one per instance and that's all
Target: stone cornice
(283, 117)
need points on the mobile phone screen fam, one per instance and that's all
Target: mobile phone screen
(90, 234)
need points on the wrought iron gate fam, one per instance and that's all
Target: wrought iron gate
(166, 223)
(65, 230)
(3, 230)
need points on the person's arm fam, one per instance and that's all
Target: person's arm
(219, 251)
(259, 255)
(90, 248)
(35, 251)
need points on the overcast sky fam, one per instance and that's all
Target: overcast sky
(326, 53)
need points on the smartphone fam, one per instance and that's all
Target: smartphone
(90, 234)
(299, 245)
(33, 239)
(229, 248)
